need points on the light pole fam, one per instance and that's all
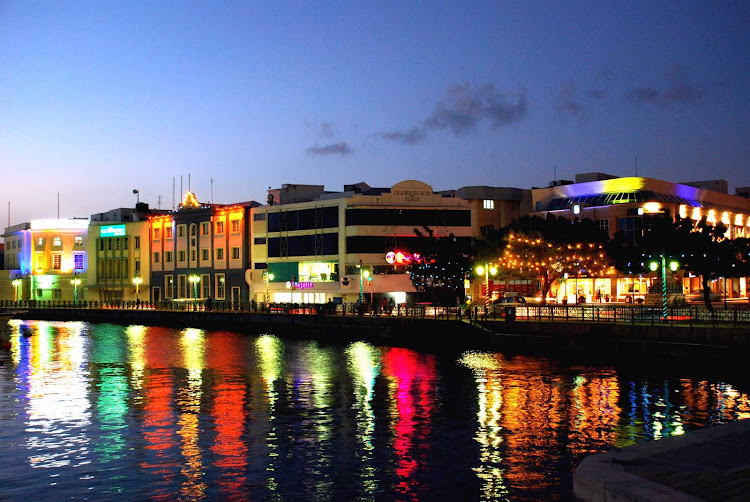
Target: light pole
(137, 281)
(361, 284)
(485, 270)
(673, 267)
(75, 282)
(16, 283)
(194, 280)
(267, 277)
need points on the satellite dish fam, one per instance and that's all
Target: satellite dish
(135, 190)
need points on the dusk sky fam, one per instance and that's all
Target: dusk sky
(100, 98)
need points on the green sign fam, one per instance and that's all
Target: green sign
(113, 231)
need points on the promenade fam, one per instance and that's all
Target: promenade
(711, 464)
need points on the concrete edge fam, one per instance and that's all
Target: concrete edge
(603, 476)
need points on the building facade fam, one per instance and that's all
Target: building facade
(620, 205)
(200, 253)
(47, 260)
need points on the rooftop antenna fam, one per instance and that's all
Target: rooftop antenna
(158, 202)
(173, 187)
(8, 213)
(212, 190)
(137, 196)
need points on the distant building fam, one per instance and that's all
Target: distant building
(200, 252)
(620, 204)
(49, 257)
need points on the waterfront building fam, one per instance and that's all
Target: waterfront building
(200, 252)
(620, 204)
(46, 259)
(311, 245)
(118, 249)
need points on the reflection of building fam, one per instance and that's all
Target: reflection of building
(47, 255)
(118, 250)
(206, 242)
(318, 245)
(620, 204)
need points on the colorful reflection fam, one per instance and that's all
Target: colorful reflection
(411, 384)
(227, 364)
(363, 362)
(270, 353)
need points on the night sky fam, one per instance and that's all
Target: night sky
(100, 98)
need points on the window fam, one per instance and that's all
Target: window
(168, 232)
(78, 261)
(576, 209)
(40, 241)
(219, 253)
(259, 240)
(181, 255)
(156, 256)
(235, 226)
(56, 261)
(57, 294)
(193, 229)
(259, 216)
(109, 244)
(181, 286)
(157, 234)
(124, 243)
(219, 227)
(168, 256)
(39, 260)
(488, 204)
(235, 253)
(78, 240)
(137, 267)
(136, 242)
(205, 286)
(204, 254)
(220, 287)
(603, 225)
(169, 286)
(193, 255)
(180, 230)
(101, 245)
(204, 228)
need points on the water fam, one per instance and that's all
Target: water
(108, 412)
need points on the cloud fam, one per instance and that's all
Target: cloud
(341, 148)
(677, 90)
(569, 104)
(321, 129)
(464, 106)
(411, 137)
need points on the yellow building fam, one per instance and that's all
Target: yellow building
(47, 259)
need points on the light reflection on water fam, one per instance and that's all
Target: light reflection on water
(105, 411)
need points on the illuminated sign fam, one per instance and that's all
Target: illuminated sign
(299, 285)
(400, 258)
(112, 231)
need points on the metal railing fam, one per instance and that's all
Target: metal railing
(693, 315)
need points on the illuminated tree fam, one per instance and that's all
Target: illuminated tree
(548, 248)
(441, 268)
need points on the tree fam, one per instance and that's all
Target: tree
(441, 267)
(547, 248)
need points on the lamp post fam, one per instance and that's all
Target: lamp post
(75, 282)
(137, 281)
(654, 265)
(16, 283)
(267, 277)
(361, 285)
(194, 280)
(485, 270)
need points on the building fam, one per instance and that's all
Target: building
(47, 260)
(311, 245)
(200, 252)
(620, 204)
(119, 257)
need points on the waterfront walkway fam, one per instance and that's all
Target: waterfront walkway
(711, 464)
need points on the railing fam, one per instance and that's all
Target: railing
(597, 313)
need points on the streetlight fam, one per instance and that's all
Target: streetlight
(16, 283)
(485, 271)
(195, 279)
(654, 265)
(75, 282)
(267, 277)
(137, 281)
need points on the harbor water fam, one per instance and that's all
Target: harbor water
(111, 412)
